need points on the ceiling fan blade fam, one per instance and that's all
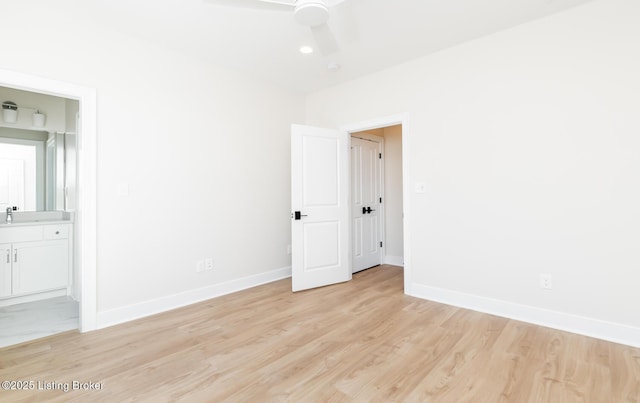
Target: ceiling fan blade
(272, 5)
(325, 39)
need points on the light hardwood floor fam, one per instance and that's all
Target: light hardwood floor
(359, 341)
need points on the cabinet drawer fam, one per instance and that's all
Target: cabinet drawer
(56, 231)
(21, 234)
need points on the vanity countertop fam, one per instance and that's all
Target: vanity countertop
(27, 218)
(33, 222)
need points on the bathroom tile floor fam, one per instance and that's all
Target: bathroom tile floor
(34, 320)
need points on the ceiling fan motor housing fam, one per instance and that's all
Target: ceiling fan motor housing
(311, 13)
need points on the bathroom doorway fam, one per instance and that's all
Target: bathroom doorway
(79, 196)
(38, 180)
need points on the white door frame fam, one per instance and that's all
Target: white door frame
(399, 119)
(85, 229)
(381, 226)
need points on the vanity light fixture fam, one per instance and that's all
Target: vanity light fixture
(38, 118)
(9, 112)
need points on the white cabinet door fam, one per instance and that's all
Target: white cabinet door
(40, 266)
(5, 270)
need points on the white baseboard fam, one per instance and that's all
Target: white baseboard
(131, 312)
(394, 260)
(596, 328)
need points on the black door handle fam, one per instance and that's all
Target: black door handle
(364, 210)
(297, 215)
(369, 210)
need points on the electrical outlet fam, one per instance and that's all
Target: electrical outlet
(208, 263)
(200, 266)
(288, 249)
(545, 282)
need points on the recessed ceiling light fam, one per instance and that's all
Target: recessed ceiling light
(306, 50)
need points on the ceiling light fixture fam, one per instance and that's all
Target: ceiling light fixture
(311, 13)
(306, 49)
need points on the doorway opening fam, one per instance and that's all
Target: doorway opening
(39, 284)
(80, 196)
(321, 226)
(376, 197)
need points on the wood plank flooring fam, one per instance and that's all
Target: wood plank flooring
(355, 342)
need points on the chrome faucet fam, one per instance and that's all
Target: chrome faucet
(9, 214)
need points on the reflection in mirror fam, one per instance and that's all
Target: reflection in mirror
(33, 170)
(46, 182)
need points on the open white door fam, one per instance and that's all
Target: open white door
(320, 204)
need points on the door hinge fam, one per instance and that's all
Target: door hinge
(381, 244)
(379, 156)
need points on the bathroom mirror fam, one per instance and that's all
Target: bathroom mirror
(38, 156)
(37, 170)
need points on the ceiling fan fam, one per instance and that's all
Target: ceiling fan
(311, 13)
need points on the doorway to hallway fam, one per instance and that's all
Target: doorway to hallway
(376, 197)
(322, 225)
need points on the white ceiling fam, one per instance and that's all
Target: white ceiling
(372, 34)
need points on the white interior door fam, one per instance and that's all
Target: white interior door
(365, 201)
(320, 204)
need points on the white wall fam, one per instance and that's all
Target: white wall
(528, 143)
(204, 152)
(393, 241)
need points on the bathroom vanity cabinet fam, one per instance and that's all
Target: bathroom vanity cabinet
(34, 258)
